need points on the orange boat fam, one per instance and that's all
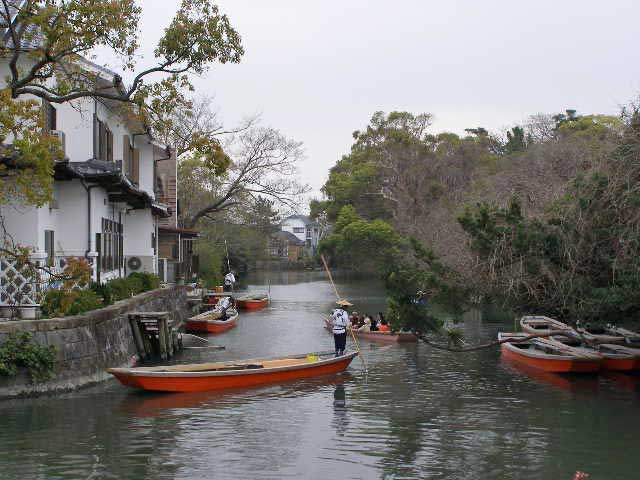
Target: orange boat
(537, 324)
(210, 322)
(255, 302)
(615, 357)
(382, 337)
(244, 373)
(212, 297)
(548, 355)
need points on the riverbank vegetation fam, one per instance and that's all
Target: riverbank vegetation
(20, 351)
(541, 219)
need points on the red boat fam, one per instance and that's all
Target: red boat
(210, 322)
(615, 357)
(252, 302)
(548, 355)
(537, 324)
(381, 337)
(212, 298)
(222, 375)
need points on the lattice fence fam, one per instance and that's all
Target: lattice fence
(21, 285)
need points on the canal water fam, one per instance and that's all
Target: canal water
(418, 413)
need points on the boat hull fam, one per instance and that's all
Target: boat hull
(252, 304)
(621, 364)
(237, 379)
(380, 337)
(209, 326)
(556, 365)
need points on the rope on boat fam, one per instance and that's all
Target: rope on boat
(355, 340)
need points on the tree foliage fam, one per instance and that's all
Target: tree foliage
(579, 261)
(263, 165)
(46, 49)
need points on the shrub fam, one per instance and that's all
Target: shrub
(121, 288)
(104, 291)
(85, 301)
(19, 350)
(59, 303)
(149, 280)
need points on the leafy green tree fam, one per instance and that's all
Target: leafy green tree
(44, 44)
(516, 141)
(580, 260)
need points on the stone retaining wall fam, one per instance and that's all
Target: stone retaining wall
(88, 344)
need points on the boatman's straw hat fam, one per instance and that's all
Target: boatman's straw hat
(344, 303)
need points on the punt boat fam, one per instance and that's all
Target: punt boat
(632, 339)
(548, 355)
(597, 335)
(236, 374)
(536, 324)
(382, 337)
(615, 357)
(210, 322)
(212, 297)
(252, 302)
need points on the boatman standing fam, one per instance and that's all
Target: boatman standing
(340, 320)
(229, 281)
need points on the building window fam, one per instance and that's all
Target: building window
(49, 246)
(298, 229)
(111, 248)
(105, 141)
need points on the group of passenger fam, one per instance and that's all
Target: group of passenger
(367, 323)
(341, 321)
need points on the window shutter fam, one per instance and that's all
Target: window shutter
(109, 137)
(125, 154)
(135, 166)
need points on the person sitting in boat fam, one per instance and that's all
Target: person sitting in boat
(384, 324)
(340, 323)
(222, 306)
(374, 324)
(366, 324)
(354, 319)
(229, 281)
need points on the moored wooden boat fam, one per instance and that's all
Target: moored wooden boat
(598, 335)
(252, 302)
(548, 355)
(212, 298)
(632, 338)
(537, 324)
(381, 337)
(222, 375)
(619, 357)
(210, 322)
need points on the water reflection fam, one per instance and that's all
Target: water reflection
(419, 413)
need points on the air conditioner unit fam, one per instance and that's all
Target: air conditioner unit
(134, 264)
(59, 134)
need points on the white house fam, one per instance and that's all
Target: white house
(104, 206)
(305, 229)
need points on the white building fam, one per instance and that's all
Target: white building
(305, 229)
(104, 206)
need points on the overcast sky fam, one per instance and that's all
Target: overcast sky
(318, 70)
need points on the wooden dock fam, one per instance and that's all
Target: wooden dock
(154, 336)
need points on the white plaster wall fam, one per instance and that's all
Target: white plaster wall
(146, 180)
(139, 225)
(21, 222)
(291, 223)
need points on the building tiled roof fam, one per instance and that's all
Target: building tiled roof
(110, 176)
(288, 237)
(305, 219)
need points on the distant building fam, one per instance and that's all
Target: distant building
(286, 246)
(305, 230)
(176, 252)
